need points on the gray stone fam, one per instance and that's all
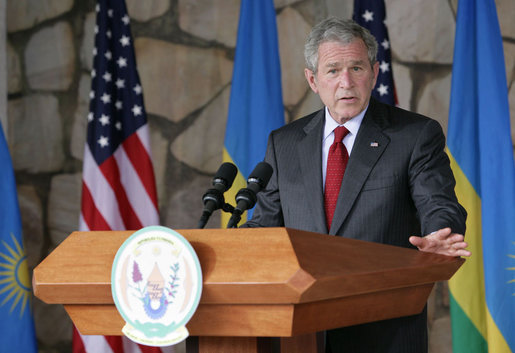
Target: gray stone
(506, 14)
(159, 149)
(80, 122)
(36, 134)
(52, 323)
(293, 30)
(434, 101)
(403, 84)
(177, 79)
(14, 78)
(148, 9)
(219, 19)
(50, 58)
(284, 3)
(342, 9)
(24, 14)
(422, 31)
(64, 206)
(31, 212)
(440, 335)
(310, 104)
(208, 132)
(88, 41)
(509, 61)
(185, 205)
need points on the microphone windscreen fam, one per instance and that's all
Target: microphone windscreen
(261, 174)
(227, 172)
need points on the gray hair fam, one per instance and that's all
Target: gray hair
(333, 29)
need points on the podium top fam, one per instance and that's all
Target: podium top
(248, 266)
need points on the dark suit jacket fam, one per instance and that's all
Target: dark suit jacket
(398, 183)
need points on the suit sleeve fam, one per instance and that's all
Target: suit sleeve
(432, 183)
(268, 211)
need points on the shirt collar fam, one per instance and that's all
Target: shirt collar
(352, 124)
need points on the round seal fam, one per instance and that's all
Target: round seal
(156, 283)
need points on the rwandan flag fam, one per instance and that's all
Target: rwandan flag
(481, 151)
(256, 103)
(16, 324)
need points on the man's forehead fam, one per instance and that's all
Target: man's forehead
(338, 63)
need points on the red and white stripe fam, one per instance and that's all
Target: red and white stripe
(120, 193)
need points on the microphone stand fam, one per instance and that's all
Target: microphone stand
(203, 219)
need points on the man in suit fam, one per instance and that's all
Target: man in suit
(397, 185)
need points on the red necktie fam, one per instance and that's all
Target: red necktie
(336, 163)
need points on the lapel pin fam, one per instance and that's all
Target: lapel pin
(374, 144)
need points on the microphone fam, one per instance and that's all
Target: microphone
(246, 198)
(213, 199)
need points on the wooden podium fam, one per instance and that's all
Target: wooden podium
(258, 282)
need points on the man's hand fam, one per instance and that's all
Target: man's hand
(442, 242)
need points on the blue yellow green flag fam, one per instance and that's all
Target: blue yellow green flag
(16, 323)
(481, 151)
(256, 103)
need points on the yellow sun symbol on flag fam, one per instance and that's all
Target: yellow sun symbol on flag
(14, 276)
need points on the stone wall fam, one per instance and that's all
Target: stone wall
(185, 51)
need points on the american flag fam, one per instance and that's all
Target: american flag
(118, 186)
(371, 14)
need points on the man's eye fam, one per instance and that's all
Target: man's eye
(356, 68)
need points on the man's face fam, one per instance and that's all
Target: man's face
(345, 78)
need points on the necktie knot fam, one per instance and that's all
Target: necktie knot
(339, 133)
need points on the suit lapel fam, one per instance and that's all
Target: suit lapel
(310, 156)
(369, 145)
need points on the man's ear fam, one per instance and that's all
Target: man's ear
(375, 68)
(310, 77)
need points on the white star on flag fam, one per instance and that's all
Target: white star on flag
(137, 89)
(136, 110)
(108, 55)
(107, 77)
(368, 16)
(122, 62)
(125, 41)
(106, 98)
(103, 141)
(92, 94)
(120, 83)
(118, 125)
(126, 19)
(386, 44)
(104, 120)
(90, 117)
(118, 105)
(384, 66)
(382, 89)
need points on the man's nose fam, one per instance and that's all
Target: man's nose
(345, 79)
